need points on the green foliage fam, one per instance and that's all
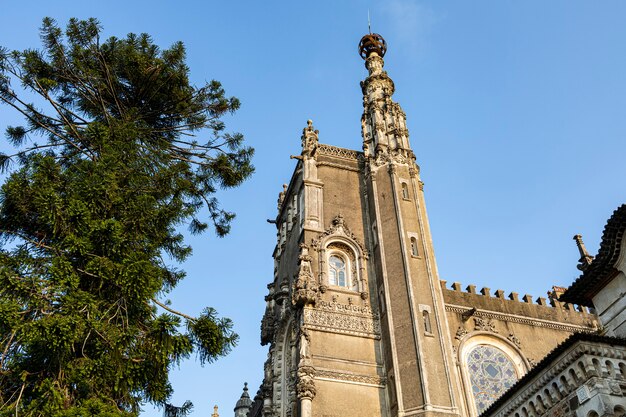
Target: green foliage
(88, 216)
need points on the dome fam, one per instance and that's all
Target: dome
(244, 401)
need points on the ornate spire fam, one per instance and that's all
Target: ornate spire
(585, 259)
(383, 124)
(215, 413)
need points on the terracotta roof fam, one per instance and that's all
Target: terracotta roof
(602, 269)
(549, 358)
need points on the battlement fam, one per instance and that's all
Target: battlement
(546, 308)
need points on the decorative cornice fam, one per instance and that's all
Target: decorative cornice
(523, 320)
(332, 375)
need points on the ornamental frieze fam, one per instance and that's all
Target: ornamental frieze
(340, 322)
(344, 308)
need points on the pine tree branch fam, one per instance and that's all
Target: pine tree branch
(178, 313)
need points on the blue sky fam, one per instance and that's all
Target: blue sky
(516, 112)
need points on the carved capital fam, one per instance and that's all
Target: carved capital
(305, 388)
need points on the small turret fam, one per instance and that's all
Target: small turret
(242, 408)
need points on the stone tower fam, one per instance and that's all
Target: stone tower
(357, 321)
(354, 314)
(417, 350)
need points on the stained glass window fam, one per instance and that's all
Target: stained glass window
(491, 373)
(337, 271)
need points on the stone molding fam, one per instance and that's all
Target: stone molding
(338, 228)
(332, 375)
(365, 325)
(522, 320)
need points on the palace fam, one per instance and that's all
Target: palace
(358, 322)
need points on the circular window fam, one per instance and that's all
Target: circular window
(491, 372)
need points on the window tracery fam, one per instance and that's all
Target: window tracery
(491, 373)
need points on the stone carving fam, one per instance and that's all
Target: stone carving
(305, 388)
(515, 340)
(484, 324)
(615, 388)
(338, 227)
(323, 149)
(531, 362)
(310, 138)
(460, 333)
(350, 377)
(267, 326)
(344, 308)
(384, 156)
(305, 286)
(281, 197)
(305, 339)
(342, 323)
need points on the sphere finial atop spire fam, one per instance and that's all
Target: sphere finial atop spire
(372, 42)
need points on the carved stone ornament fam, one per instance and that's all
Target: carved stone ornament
(267, 326)
(310, 138)
(342, 319)
(515, 340)
(305, 287)
(398, 156)
(531, 362)
(281, 197)
(305, 388)
(615, 388)
(460, 333)
(484, 324)
(339, 227)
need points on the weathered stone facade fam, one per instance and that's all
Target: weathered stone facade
(357, 320)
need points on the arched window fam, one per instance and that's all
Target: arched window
(405, 191)
(337, 271)
(491, 373)
(414, 247)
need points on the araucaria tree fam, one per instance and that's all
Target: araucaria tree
(118, 150)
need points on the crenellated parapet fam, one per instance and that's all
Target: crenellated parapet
(512, 302)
